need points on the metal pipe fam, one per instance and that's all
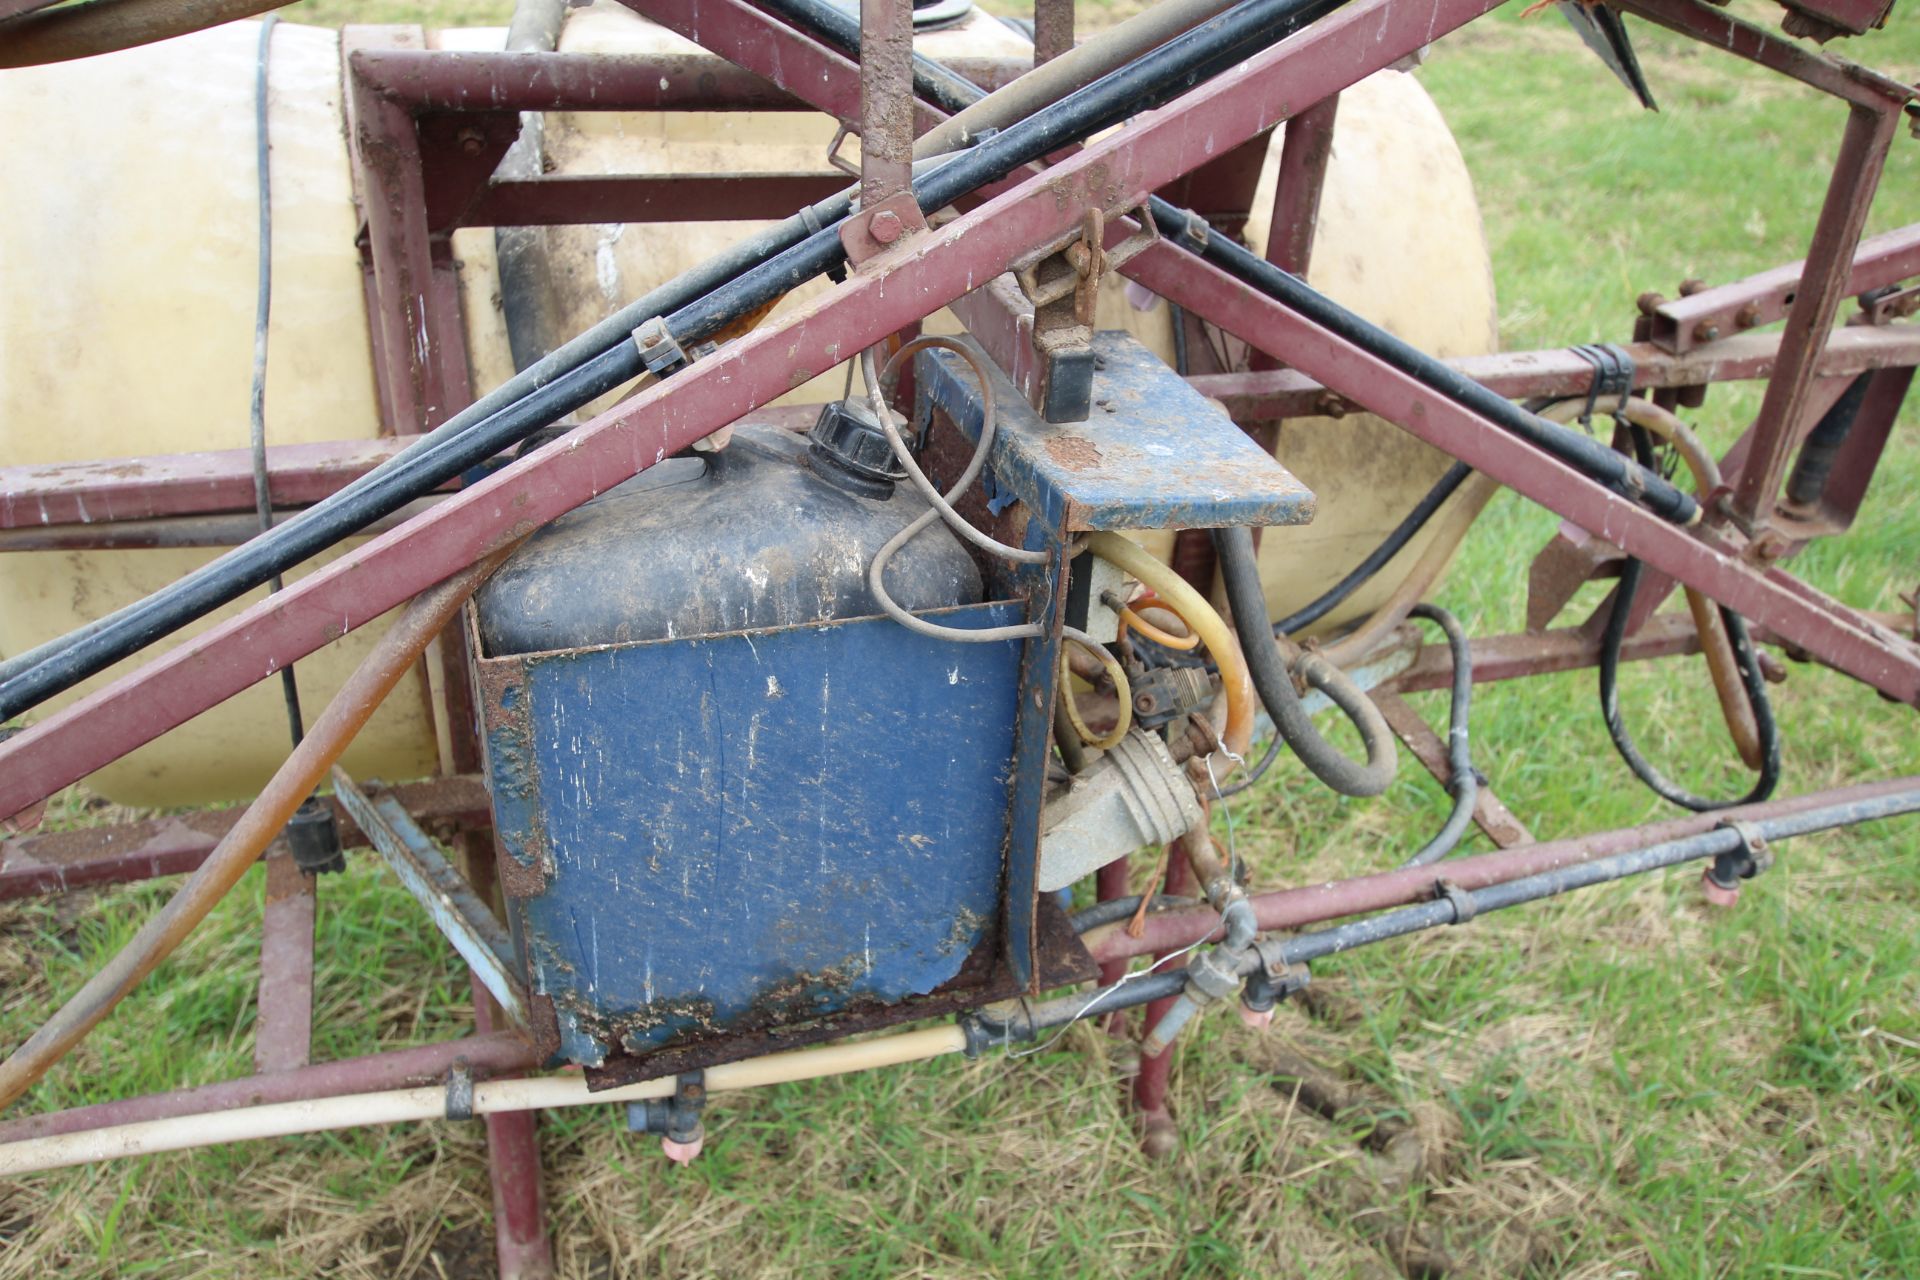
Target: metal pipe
(490, 1097)
(1293, 908)
(500, 1053)
(390, 659)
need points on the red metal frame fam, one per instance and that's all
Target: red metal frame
(427, 130)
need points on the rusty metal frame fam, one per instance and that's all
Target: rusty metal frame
(427, 130)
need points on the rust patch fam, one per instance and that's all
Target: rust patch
(1076, 453)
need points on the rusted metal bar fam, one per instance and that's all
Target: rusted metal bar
(166, 531)
(497, 1054)
(421, 385)
(1856, 174)
(1052, 29)
(1296, 908)
(1304, 153)
(1116, 171)
(103, 489)
(1716, 28)
(579, 199)
(460, 915)
(1681, 324)
(1489, 814)
(283, 1012)
(886, 99)
(1520, 375)
(91, 857)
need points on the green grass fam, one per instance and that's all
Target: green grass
(1619, 1083)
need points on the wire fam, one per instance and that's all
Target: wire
(1105, 992)
(262, 312)
(939, 507)
(1463, 783)
(1750, 676)
(1122, 689)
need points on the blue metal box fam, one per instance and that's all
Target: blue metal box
(725, 835)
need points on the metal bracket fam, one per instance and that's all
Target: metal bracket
(870, 233)
(658, 347)
(1062, 280)
(1085, 253)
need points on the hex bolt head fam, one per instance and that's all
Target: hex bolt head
(1706, 331)
(682, 1153)
(1718, 895)
(885, 226)
(1747, 317)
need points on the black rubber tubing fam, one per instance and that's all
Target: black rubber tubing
(1240, 574)
(1462, 784)
(1751, 678)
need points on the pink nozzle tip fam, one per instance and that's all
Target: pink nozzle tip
(1257, 1021)
(682, 1153)
(1718, 895)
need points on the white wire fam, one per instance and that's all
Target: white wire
(1095, 998)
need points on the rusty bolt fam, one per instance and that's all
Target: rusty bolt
(885, 226)
(1650, 302)
(471, 141)
(1747, 317)
(1691, 286)
(1706, 331)
(1769, 547)
(1330, 405)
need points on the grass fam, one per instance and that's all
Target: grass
(1620, 1083)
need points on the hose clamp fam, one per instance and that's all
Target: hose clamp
(1464, 905)
(1752, 856)
(659, 349)
(1613, 373)
(460, 1090)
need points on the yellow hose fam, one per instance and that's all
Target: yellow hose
(1202, 619)
(1165, 639)
(1121, 688)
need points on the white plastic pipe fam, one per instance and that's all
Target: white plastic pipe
(280, 1119)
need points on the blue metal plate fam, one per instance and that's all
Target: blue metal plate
(1156, 454)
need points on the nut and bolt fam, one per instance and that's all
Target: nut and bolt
(1706, 331)
(1650, 302)
(471, 141)
(1747, 317)
(1691, 286)
(885, 226)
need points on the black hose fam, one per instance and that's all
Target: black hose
(840, 29)
(1582, 452)
(1751, 679)
(1377, 559)
(1114, 910)
(1240, 574)
(262, 315)
(1462, 784)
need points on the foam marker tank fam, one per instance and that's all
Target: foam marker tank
(732, 800)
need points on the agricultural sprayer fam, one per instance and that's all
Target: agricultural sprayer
(757, 511)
